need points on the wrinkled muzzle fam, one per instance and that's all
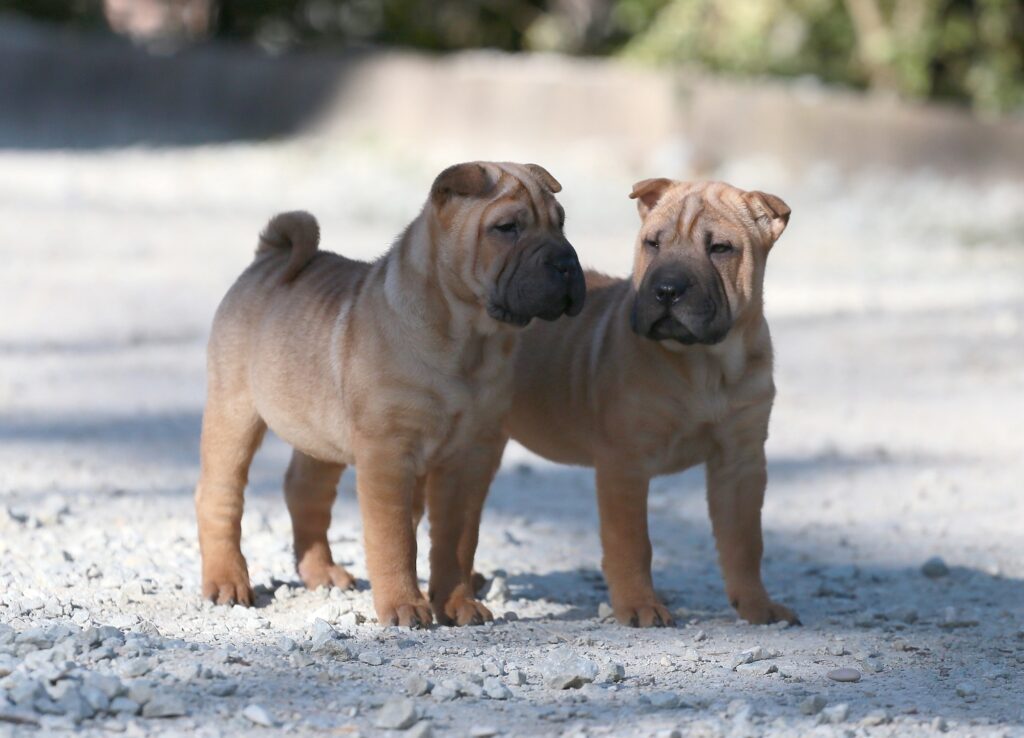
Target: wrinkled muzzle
(544, 281)
(683, 303)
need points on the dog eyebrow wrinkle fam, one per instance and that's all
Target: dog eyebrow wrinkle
(689, 214)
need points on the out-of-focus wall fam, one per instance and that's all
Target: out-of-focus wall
(69, 90)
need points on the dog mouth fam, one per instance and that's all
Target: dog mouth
(668, 328)
(503, 315)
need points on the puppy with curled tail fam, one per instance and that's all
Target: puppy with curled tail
(401, 367)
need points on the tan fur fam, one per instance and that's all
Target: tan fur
(592, 392)
(394, 366)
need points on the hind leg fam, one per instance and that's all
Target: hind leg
(310, 487)
(232, 431)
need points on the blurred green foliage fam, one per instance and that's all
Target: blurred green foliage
(969, 51)
(964, 50)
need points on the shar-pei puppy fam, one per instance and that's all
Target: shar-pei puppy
(402, 367)
(662, 371)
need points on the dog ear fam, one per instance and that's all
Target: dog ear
(771, 211)
(647, 192)
(545, 177)
(461, 180)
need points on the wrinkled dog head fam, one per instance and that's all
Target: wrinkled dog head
(700, 256)
(503, 240)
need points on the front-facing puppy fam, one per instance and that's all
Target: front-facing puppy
(663, 371)
(401, 367)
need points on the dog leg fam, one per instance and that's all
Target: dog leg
(386, 486)
(455, 500)
(232, 431)
(622, 504)
(736, 479)
(310, 487)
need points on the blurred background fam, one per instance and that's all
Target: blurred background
(144, 143)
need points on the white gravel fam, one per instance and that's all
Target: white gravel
(897, 308)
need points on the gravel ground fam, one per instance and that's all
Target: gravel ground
(898, 311)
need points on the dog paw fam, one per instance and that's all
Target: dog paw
(762, 611)
(462, 610)
(333, 575)
(414, 613)
(228, 586)
(644, 615)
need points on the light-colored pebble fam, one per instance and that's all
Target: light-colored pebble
(844, 674)
(397, 714)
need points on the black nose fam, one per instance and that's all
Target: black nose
(564, 263)
(668, 293)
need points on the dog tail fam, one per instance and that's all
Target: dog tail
(296, 232)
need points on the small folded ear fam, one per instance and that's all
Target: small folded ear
(647, 192)
(770, 210)
(461, 180)
(545, 177)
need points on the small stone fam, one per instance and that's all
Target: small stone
(286, 644)
(164, 705)
(605, 611)
(564, 669)
(222, 688)
(257, 715)
(498, 591)
(136, 668)
(844, 674)
(934, 568)
(140, 692)
(417, 686)
(611, 672)
(509, 617)
(494, 689)
(482, 731)
(350, 620)
(665, 700)
(516, 677)
(124, 706)
(758, 653)
(940, 725)
(421, 729)
(876, 717)
(813, 705)
(966, 690)
(669, 733)
(397, 714)
(836, 649)
(17, 715)
(836, 714)
(371, 657)
(443, 693)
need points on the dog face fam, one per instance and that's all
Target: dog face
(503, 240)
(700, 257)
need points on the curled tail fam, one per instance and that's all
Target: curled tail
(297, 232)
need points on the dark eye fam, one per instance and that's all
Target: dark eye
(720, 248)
(510, 227)
(652, 243)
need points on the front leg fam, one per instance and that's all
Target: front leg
(456, 492)
(386, 486)
(736, 478)
(626, 544)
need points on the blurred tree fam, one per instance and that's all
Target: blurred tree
(964, 50)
